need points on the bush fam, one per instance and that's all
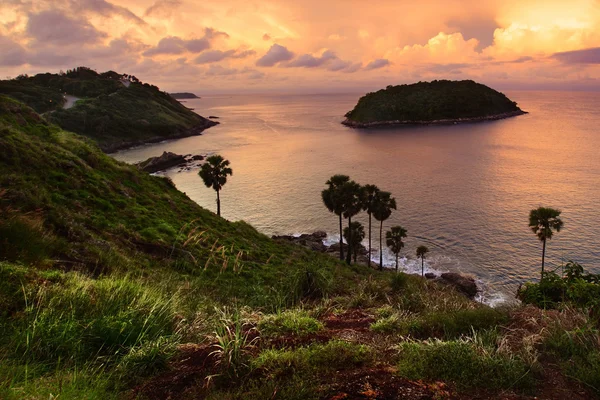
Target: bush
(398, 282)
(289, 322)
(312, 282)
(465, 364)
(574, 286)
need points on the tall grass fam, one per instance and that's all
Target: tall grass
(85, 319)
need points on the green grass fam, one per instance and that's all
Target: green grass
(579, 352)
(296, 322)
(333, 355)
(465, 364)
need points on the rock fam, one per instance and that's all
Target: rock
(320, 234)
(463, 284)
(165, 161)
(430, 275)
(213, 117)
(198, 158)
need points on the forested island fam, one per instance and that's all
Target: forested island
(427, 103)
(115, 110)
(183, 96)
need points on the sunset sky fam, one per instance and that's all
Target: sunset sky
(308, 45)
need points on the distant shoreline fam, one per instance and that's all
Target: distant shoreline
(195, 131)
(377, 124)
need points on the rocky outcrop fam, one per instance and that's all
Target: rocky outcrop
(314, 241)
(462, 283)
(169, 160)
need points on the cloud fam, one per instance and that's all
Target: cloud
(309, 61)
(12, 54)
(376, 64)
(585, 56)
(177, 45)
(218, 70)
(218, 55)
(442, 69)
(276, 54)
(481, 28)
(163, 8)
(106, 9)
(53, 27)
(266, 37)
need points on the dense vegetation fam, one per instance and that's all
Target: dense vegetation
(113, 284)
(431, 101)
(115, 110)
(184, 95)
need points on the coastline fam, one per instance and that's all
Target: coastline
(194, 131)
(377, 124)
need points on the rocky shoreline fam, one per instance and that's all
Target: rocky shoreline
(170, 160)
(377, 124)
(314, 241)
(194, 131)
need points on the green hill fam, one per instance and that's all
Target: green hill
(115, 110)
(115, 285)
(431, 102)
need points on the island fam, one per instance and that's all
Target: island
(113, 109)
(183, 96)
(431, 103)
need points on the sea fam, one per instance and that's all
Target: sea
(464, 191)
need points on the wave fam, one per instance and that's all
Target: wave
(436, 265)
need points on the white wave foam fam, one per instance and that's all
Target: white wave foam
(436, 264)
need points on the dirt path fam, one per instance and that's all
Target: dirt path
(70, 101)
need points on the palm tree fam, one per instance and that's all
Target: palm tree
(543, 221)
(332, 198)
(354, 235)
(353, 199)
(370, 193)
(383, 205)
(421, 252)
(214, 174)
(394, 240)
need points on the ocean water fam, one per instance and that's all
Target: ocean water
(465, 191)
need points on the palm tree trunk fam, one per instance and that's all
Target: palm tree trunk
(341, 240)
(369, 239)
(543, 257)
(218, 204)
(396, 262)
(349, 255)
(381, 246)
(422, 267)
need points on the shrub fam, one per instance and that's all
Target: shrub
(311, 282)
(465, 364)
(574, 286)
(289, 322)
(398, 282)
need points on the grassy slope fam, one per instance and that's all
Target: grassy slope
(111, 114)
(428, 101)
(105, 272)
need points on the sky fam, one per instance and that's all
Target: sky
(232, 46)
